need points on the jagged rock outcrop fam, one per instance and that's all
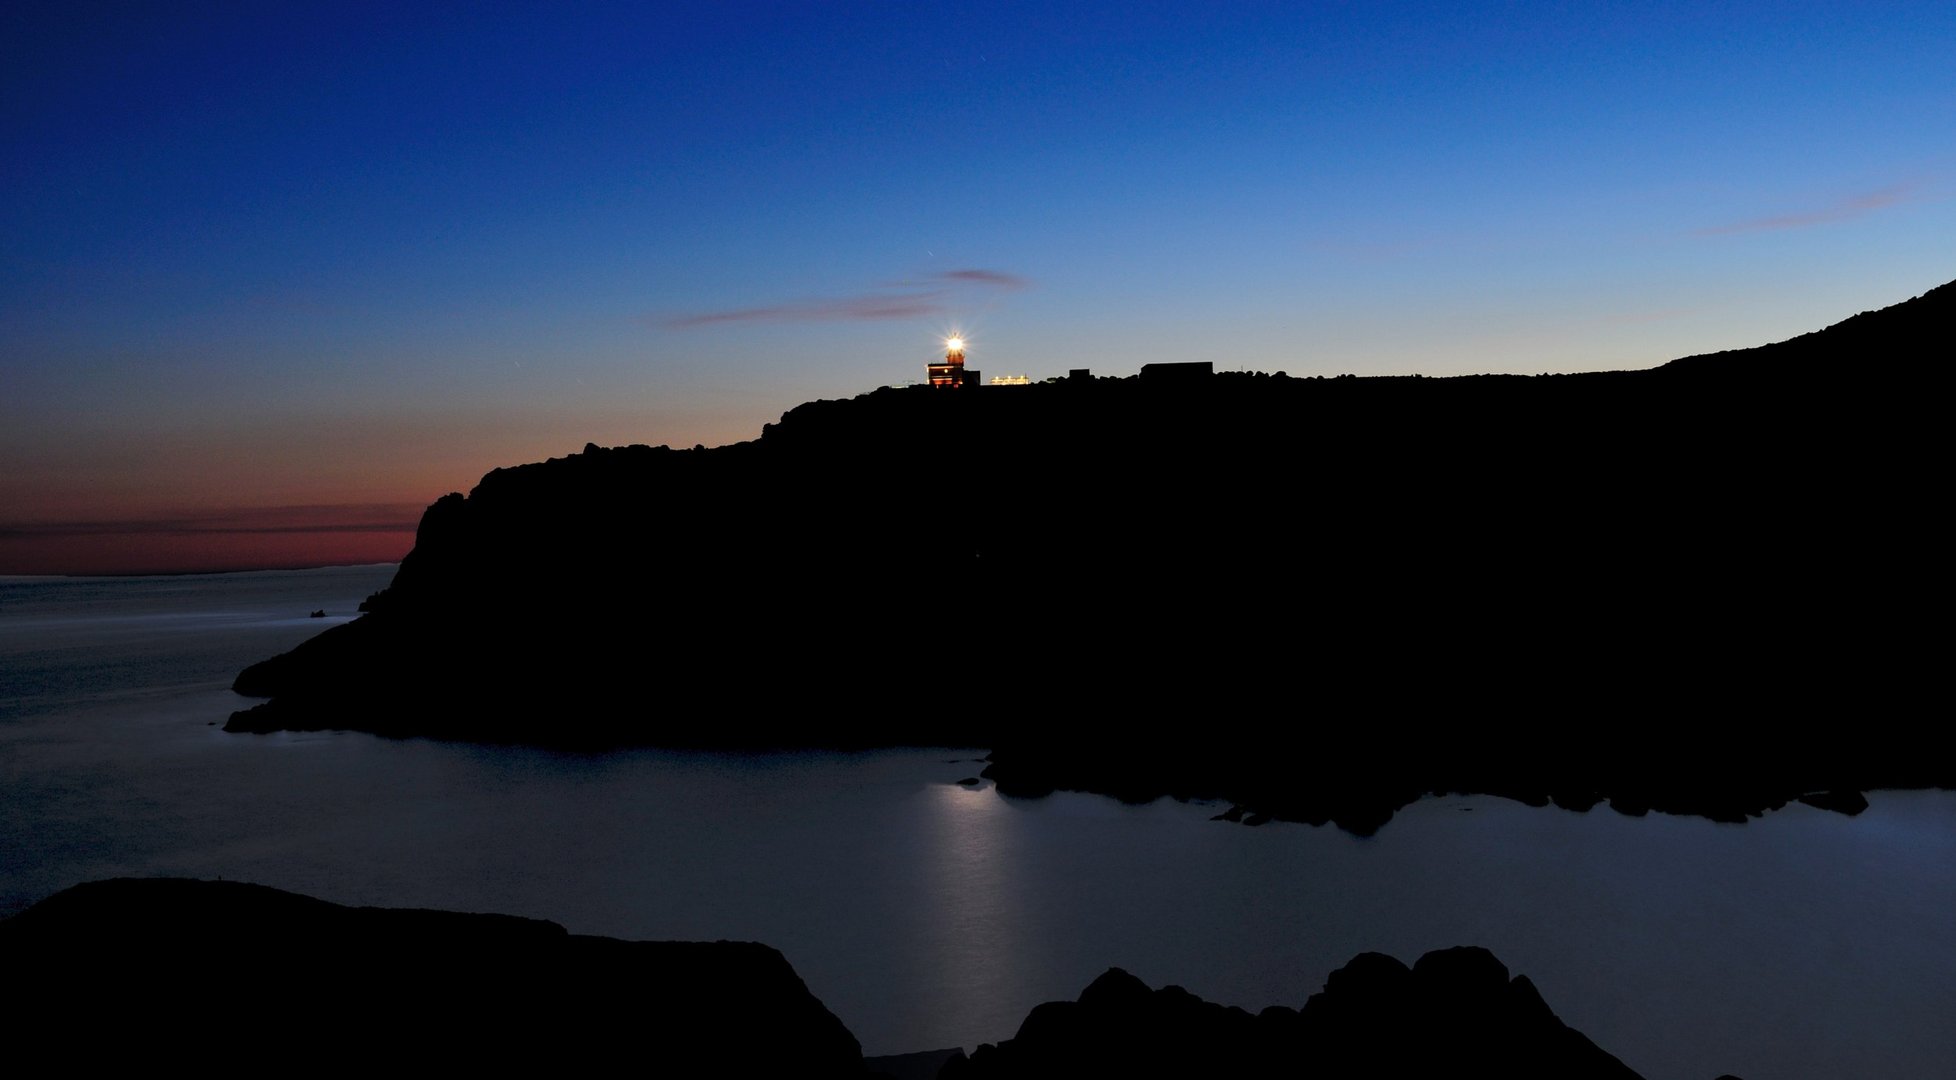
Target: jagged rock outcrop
(237, 977)
(1455, 1012)
(228, 977)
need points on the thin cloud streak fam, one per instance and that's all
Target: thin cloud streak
(906, 300)
(372, 518)
(995, 278)
(1852, 207)
(867, 307)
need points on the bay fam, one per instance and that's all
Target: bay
(926, 913)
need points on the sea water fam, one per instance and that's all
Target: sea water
(927, 913)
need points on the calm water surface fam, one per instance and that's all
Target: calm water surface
(925, 914)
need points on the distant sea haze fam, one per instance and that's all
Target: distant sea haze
(927, 913)
(211, 540)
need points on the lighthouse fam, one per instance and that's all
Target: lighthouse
(950, 373)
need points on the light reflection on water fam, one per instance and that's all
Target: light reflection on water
(969, 906)
(927, 914)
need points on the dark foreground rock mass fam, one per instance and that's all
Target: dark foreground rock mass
(1453, 1013)
(1316, 597)
(226, 977)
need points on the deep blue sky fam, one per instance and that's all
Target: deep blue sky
(327, 263)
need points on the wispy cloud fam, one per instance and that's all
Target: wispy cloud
(866, 306)
(1852, 206)
(995, 278)
(360, 518)
(929, 295)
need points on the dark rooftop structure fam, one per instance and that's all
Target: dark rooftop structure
(1192, 369)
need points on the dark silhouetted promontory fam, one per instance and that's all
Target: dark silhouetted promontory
(1695, 588)
(127, 973)
(228, 977)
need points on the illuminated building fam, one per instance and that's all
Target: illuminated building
(951, 372)
(1010, 380)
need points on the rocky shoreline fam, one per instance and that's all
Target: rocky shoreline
(235, 975)
(1316, 598)
(1359, 786)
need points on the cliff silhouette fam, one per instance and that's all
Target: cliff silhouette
(240, 977)
(243, 979)
(1316, 597)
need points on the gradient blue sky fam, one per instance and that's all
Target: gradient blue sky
(272, 277)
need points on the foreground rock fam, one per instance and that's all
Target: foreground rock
(225, 977)
(1453, 1013)
(127, 974)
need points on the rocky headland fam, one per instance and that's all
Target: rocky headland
(1695, 588)
(234, 977)
(227, 977)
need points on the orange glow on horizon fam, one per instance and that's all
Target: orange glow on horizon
(204, 541)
